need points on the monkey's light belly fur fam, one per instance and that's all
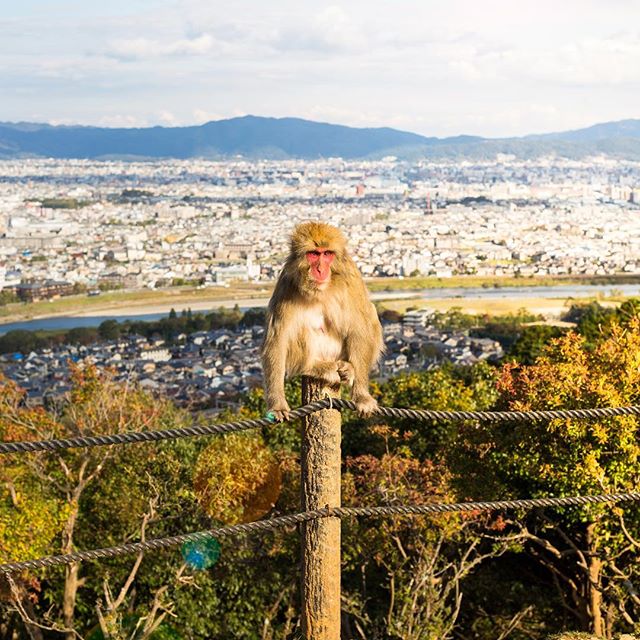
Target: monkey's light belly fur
(323, 345)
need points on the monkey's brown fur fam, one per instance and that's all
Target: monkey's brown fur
(330, 332)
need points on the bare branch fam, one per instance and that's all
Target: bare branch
(28, 619)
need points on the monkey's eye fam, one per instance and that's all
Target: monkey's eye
(329, 253)
(316, 253)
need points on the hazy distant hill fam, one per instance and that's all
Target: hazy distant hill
(256, 137)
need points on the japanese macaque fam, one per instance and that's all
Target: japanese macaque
(320, 321)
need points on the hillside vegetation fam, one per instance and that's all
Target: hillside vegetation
(524, 574)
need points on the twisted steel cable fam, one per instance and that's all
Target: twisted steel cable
(297, 518)
(421, 415)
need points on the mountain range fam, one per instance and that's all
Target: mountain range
(256, 137)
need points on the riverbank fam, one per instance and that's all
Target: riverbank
(119, 303)
(478, 295)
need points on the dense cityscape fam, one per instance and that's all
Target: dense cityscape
(151, 224)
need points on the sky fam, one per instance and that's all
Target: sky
(493, 68)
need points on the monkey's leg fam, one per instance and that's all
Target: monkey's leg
(366, 405)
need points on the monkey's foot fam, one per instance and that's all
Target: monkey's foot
(327, 372)
(280, 411)
(346, 373)
(366, 406)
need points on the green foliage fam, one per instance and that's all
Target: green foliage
(255, 316)
(565, 456)
(445, 388)
(31, 514)
(532, 341)
(110, 286)
(78, 288)
(8, 297)
(63, 203)
(109, 330)
(400, 575)
(507, 329)
(453, 320)
(592, 319)
(20, 340)
(389, 315)
(81, 335)
(186, 282)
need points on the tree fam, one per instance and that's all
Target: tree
(81, 335)
(20, 340)
(404, 576)
(8, 297)
(237, 478)
(254, 317)
(62, 483)
(32, 515)
(109, 330)
(390, 315)
(589, 552)
(532, 341)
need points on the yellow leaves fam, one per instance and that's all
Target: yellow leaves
(29, 523)
(100, 404)
(237, 478)
(19, 422)
(574, 456)
(436, 389)
(591, 465)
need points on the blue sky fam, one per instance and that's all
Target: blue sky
(484, 67)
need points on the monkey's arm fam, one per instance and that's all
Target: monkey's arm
(274, 365)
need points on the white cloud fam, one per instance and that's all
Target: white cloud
(137, 48)
(201, 116)
(331, 30)
(122, 120)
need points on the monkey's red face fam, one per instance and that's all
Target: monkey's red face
(320, 264)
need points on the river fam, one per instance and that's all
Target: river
(155, 312)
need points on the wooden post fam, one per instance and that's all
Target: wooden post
(320, 484)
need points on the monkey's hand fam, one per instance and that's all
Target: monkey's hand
(346, 373)
(280, 410)
(365, 405)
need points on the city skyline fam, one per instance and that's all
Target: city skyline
(491, 69)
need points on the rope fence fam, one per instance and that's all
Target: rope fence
(421, 415)
(297, 518)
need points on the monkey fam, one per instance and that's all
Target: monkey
(320, 321)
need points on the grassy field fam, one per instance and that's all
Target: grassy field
(481, 306)
(184, 297)
(178, 297)
(382, 284)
